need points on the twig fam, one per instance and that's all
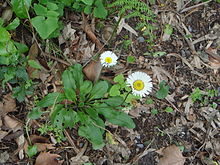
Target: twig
(195, 6)
(71, 141)
(56, 59)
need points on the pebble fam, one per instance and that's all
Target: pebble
(140, 39)
(139, 145)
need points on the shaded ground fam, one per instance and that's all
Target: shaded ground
(185, 66)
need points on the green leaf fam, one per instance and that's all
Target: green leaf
(169, 109)
(63, 117)
(88, 2)
(14, 24)
(70, 94)
(86, 87)
(21, 48)
(99, 10)
(119, 79)
(115, 90)
(4, 35)
(40, 10)
(45, 26)
(163, 91)
(21, 7)
(98, 90)
(159, 54)
(116, 117)
(35, 113)
(93, 134)
(114, 101)
(168, 29)
(68, 80)
(31, 151)
(88, 10)
(131, 59)
(52, 6)
(77, 74)
(149, 101)
(34, 64)
(154, 111)
(51, 99)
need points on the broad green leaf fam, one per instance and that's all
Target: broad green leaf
(168, 29)
(45, 26)
(159, 54)
(51, 99)
(31, 151)
(114, 101)
(77, 74)
(86, 87)
(34, 64)
(70, 94)
(93, 134)
(169, 109)
(63, 117)
(4, 35)
(116, 117)
(98, 90)
(131, 59)
(40, 10)
(88, 10)
(163, 91)
(14, 24)
(115, 90)
(21, 7)
(119, 79)
(99, 10)
(88, 2)
(35, 113)
(68, 80)
(21, 48)
(52, 6)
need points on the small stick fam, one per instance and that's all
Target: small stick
(56, 59)
(195, 6)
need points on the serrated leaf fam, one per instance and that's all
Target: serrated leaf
(163, 91)
(35, 113)
(98, 90)
(51, 99)
(34, 64)
(14, 24)
(131, 59)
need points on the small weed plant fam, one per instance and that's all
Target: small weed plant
(84, 104)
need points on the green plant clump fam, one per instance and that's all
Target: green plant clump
(87, 104)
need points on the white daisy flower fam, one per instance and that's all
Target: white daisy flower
(108, 59)
(140, 83)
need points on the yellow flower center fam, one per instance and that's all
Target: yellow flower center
(108, 60)
(138, 85)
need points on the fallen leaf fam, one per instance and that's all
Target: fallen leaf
(12, 123)
(93, 70)
(44, 146)
(7, 105)
(2, 134)
(172, 156)
(21, 142)
(46, 158)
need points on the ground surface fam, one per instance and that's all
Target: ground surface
(188, 63)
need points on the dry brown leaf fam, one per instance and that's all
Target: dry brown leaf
(172, 156)
(12, 123)
(9, 104)
(2, 134)
(47, 158)
(44, 146)
(93, 70)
